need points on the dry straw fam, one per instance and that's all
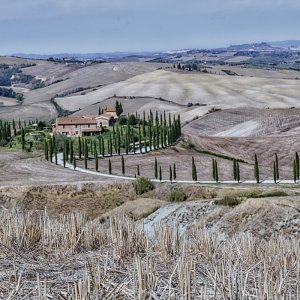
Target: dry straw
(72, 257)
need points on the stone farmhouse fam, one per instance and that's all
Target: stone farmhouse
(82, 125)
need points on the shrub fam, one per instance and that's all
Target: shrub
(228, 201)
(142, 185)
(177, 195)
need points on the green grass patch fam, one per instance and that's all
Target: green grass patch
(228, 201)
(142, 185)
(177, 195)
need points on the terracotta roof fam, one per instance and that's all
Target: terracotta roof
(104, 116)
(110, 109)
(78, 120)
(91, 129)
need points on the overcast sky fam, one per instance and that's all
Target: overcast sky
(81, 26)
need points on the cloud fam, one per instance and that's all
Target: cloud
(25, 9)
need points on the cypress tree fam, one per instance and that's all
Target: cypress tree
(74, 161)
(51, 149)
(256, 169)
(274, 172)
(171, 174)
(79, 147)
(109, 166)
(238, 172)
(107, 144)
(64, 154)
(155, 168)
(96, 157)
(276, 166)
(297, 165)
(174, 172)
(71, 151)
(22, 138)
(160, 174)
(110, 145)
(85, 153)
(295, 170)
(138, 170)
(126, 144)
(46, 150)
(119, 141)
(234, 164)
(216, 171)
(150, 136)
(140, 139)
(102, 147)
(123, 165)
(55, 153)
(213, 169)
(67, 149)
(194, 170)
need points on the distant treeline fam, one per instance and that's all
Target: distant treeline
(10, 93)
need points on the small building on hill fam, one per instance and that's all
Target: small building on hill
(77, 126)
(110, 111)
(105, 120)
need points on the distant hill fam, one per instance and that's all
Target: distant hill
(87, 56)
(287, 44)
(251, 47)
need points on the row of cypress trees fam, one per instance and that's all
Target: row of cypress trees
(10, 129)
(69, 155)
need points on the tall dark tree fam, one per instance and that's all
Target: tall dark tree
(138, 170)
(140, 139)
(79, 148)
(276, 166)
(194, 170)
(110, 145)
(55, 153)
(234, 172)
(213, 169)
(85, 153)
(23, 138)
(109, 166)
(238, 172)
(174, 171)
(51, 149)
(171, 174)
(155, 169)
(160, 174)
(216, 171)
(297, 165)
(119, 108)
(74, 161)
(256, 169)
(46, 150)
(71, 151)
(64, 154)
(123, 165)
(274, 172)
(295, 170)
(96, 157)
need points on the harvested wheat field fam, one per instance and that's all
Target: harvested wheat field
(213, 90)
(71, 257)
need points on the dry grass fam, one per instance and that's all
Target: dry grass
(90, 198)
(72, 258)
(136, 209)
